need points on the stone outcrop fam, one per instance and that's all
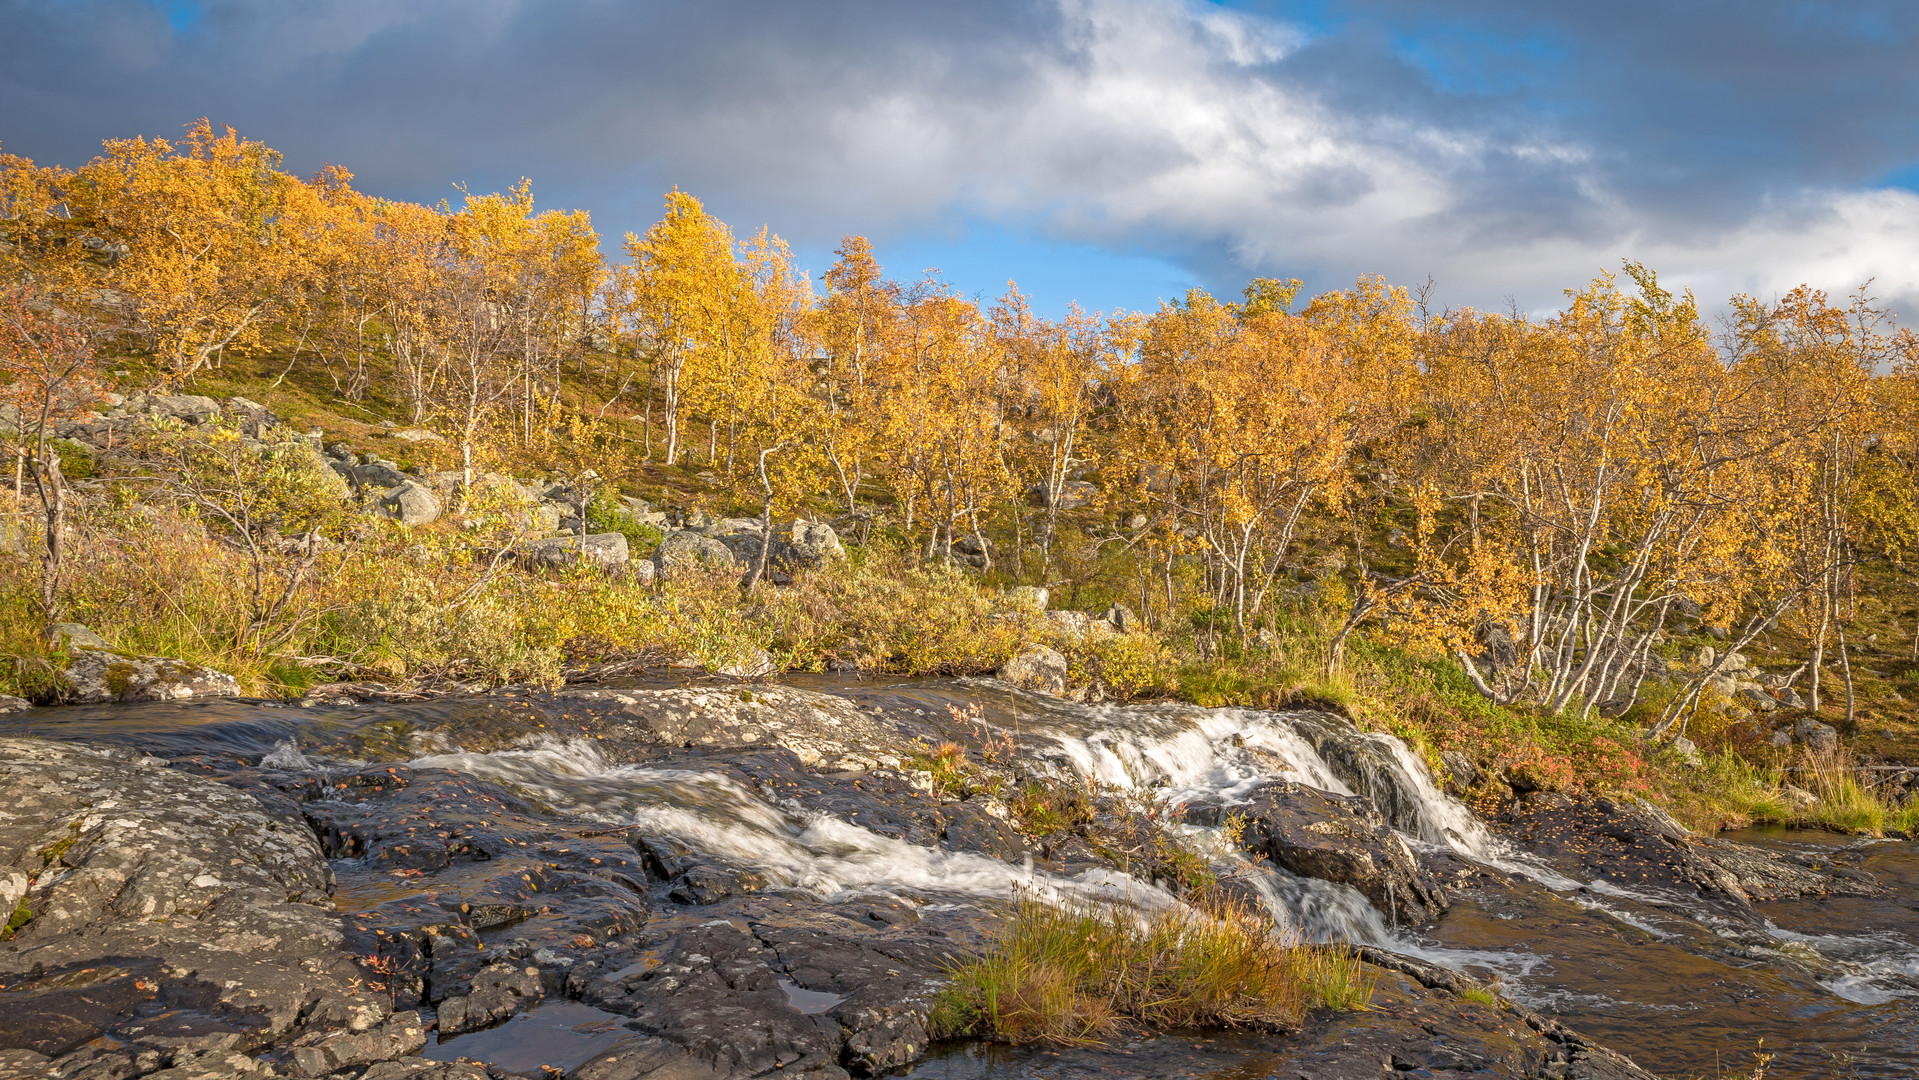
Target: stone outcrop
(1634, 842)
(822, 730)
(1341, 839)
(96, 676)
(608, 551)
(171, 918)
(1039, 668)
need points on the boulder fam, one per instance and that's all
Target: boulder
(1036, 668)
(1461, 774)
(811, 544)
(409, 503)
(377, 474)
(72, 635)
(1342, 839)
(1817, 737)
(1072, 624)
(1028, 597)
(1754, 698)
(254, 418)
(605, 550)
(685, 549)
(1121, 619)
(416, 435)
(1072, 495)
(187, 408)
(96, 676)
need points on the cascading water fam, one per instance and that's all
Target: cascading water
(716, 816)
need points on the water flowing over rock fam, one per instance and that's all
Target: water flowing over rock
(1340, 839)
(752, 880)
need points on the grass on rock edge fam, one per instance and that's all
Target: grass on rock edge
(1079, 972)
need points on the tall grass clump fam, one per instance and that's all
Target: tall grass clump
(1080, 972)
(1845, 802)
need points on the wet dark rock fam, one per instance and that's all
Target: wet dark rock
(825, 732)
(1341, 839)
(1634, 844)
(1363, 763)
(495, 992)
(172, 918)
(1461, 774)
(1419, 1025)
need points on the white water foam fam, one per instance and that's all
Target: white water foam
(817, 852)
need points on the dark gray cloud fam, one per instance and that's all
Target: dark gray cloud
(1506, 151)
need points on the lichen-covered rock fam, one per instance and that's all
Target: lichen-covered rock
(173, 918)
(96, 676)
(688, 550)
(188, 408)
(608, 551)
(1038, 668)
(1819, 738)
(409, 504)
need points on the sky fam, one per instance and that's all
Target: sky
(1110, 153)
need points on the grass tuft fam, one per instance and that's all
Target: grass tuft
(1078, 973)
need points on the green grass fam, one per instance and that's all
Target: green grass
(1079, 973)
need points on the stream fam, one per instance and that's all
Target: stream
(1685, 984)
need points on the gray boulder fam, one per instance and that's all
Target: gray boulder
(187, 408)
(1752, 697)
(1817, 737)
(1028, 597)
(10, 704)
(96, 676)
(409, 503)
(812, 544)
(685, 549)
(605, 550)
(1036, 668)
(73, 635)
(377, 474)
(1121, 619)
(255, 419)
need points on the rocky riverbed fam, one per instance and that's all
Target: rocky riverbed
(709, 879)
